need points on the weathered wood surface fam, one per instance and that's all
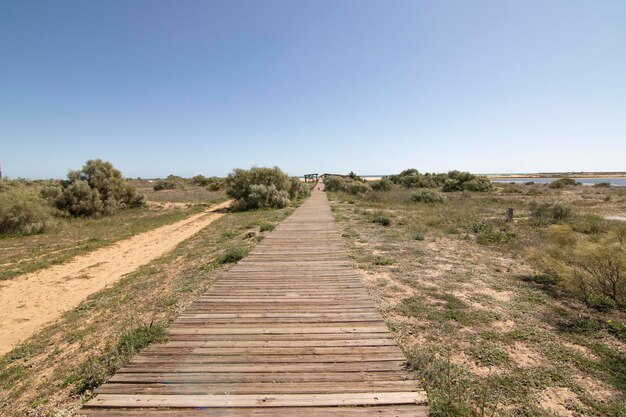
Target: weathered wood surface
(289, 331)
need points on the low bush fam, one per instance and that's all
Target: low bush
(465, 181)
(233, 255)
(600, 273)
(591, 224)
(211, 183)
(550, 212)
(266, 227)
(258, 188)
(22, 211)
(412, 178)
(167, 184)
(298, 189)
(602, 185)
(346, 184)
(262, 196)
(215, 184)
(333, 183)
(200, 180)
(492, 234)
(381, 218)
(382, 185)
(356, 187)
(489, 232)
(563, 182)
(428, 196)
(592, 267)
(79, 199)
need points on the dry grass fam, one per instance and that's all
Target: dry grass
(69, 237)
(189, 193)
(480, 325)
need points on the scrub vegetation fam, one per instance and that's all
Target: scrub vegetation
(259, 188)
(497, 317)
(47, 222)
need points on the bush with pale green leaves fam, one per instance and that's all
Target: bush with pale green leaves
(258, 188)
(428, 196)
(346, 184)
(22, 211)
(98, 188)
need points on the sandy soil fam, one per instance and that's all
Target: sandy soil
(32, 300)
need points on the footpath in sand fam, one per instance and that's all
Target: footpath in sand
(32, 300)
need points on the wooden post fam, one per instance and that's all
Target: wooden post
(509, 215)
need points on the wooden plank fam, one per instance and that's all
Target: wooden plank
(303, 387)
(390, 410)
(245, 400)
(228, 377)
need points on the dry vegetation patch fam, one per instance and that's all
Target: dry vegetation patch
(485, 329)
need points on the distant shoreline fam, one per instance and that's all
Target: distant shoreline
(590, 174)
(560, 175)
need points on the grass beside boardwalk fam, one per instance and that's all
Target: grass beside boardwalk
(73, 236)
(54, 371)
(486, 332)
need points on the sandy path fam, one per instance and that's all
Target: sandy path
(32, 300)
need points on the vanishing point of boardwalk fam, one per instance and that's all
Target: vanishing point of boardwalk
(289, 331)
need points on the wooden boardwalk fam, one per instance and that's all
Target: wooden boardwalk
(289, 331)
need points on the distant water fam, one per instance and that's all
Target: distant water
(616, 182)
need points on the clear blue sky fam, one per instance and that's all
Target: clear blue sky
(187, 87)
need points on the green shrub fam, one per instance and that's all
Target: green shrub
(22, 211)
(428, 196)
(298, 189)
(563, 182)
(215, 184)
(412, 178)
(591, 224)
(492, 234)
(166, 184)
(602, 184)
(211, 183)
(98, 188)
(488, 232)
(381, 218)
(333, 183)
(348, 185)
(382, 185)
(601, 272)
(200, 180)
(267, 227)
(383, 261)
(356, 187)
(258, 188)
(79, 199)
(550, 212)
(233, 255)
(465, 181)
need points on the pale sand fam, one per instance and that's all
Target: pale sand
(30, 301)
